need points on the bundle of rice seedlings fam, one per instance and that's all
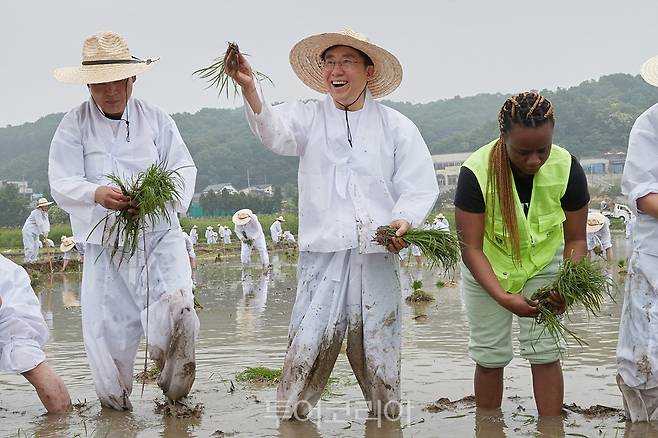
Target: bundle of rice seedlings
(582, 283)
(440, 247)
(216, 75)
(151, 191)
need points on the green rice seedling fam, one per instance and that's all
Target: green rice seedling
(259, 375)
(440, 247)
(216, 74)
(151, 192)
(440, 284)
(416, 284)
(583, 283)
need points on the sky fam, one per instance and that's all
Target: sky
(446, 47)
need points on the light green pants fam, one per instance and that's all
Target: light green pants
(490, 342)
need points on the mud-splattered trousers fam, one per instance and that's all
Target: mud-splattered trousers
(114, 317)
(338, 293)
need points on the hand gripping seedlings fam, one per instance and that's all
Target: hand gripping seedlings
(216, 73)
(579, 283)
(440, 247)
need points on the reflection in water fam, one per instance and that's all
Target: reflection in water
(245, 324)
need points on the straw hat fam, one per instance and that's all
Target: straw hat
(306, 61)
(67, 244)
(209, 227)
(280, 219)
(105, 58)
(241, 217)
(595, 222)
(43, 202)
(439, 216)
(649, 71)
(194, 226)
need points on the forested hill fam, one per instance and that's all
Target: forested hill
(592, 117)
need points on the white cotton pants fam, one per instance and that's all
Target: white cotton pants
(30, 246)
(260, 246)
(337, 294)
(114, 317)
(637, 345)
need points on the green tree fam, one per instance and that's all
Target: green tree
(13, 207)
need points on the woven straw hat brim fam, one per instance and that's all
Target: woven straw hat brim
(241, 221)
(306, 62)
(595, 222)
(66, 246)
(649, 71)
(97, 74)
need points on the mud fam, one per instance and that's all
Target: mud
(238, 332)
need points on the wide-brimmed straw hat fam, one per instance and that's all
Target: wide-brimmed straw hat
(306, 61)
(241, 217)
(595, 222)
(209, 227)
(649, 71)
(193, 226)
(43, 202)
(67, 244)
(439, 216)
(105, 58)
(280, 219)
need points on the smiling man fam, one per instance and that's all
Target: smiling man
(361, 165)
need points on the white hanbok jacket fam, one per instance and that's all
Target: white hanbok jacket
(346, 192)
(88, 146)
(276, 231)
(37, 222)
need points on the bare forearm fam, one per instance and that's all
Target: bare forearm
(575, 250)
(648, 204)
(252, 98)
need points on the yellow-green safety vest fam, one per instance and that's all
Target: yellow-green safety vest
(540, 234)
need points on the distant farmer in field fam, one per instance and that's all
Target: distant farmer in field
(275, 229)
(361, 165)
(637, 356)
(37, 225)
(599, 240)
(23, 333)
(521, 208)
(250, 232)
(115, 133)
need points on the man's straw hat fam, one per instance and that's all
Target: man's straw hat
(43, 202)
(595, 222)
(306, 61)
(649, 71)
(280, 219)
(67, 244)
(241, 217)
(105, 58)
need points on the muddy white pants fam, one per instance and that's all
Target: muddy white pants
(260, 246)
(114, 317)
(637, 346)
(30, 246)
(23, 331)
(339, 293)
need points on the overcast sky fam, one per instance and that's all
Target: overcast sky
(446, 47)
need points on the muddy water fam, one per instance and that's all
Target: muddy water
(244, 324)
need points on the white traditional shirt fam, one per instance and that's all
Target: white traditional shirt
(600, 238)
(346, 192)
(37, 222)
(639, 179)
(276, 231)
(194, 236)
(88, 146)
(252, 230)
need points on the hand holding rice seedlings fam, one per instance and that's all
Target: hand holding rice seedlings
(216, 73)
(151, 191)
(440, 247)
(585, 283)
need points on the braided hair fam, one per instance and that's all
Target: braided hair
(526, 109)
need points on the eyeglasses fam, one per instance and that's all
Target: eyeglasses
(345, 64)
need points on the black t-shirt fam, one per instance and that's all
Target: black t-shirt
(468, 196)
